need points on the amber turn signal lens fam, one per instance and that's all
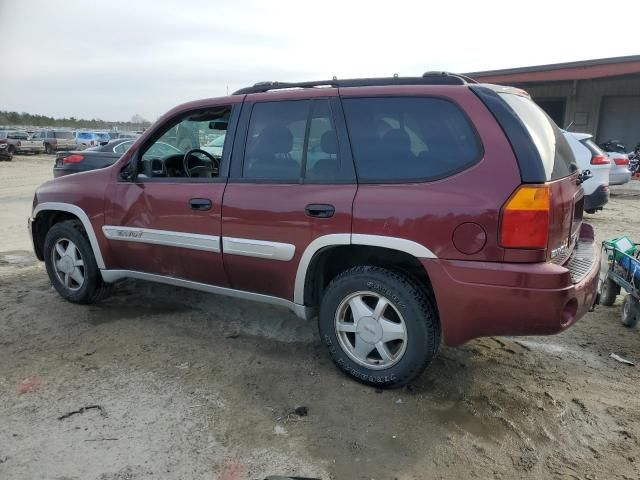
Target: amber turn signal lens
(525, 218)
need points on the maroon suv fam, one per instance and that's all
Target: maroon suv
(402, 212)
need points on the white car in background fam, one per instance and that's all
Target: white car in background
(620, 172)
(590, 157)
(214, 147)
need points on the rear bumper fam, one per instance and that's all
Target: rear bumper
(477, 299)
(621, 178)
(61, 172)
(597, 199)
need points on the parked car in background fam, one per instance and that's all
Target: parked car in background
(19, 141)
(214, 147)
(620, 172)
(86, 139)
(620, 166)
(127, 135)
(56, 139)
(101, 156)
(5, 153)
(425, 245)
(590, 157)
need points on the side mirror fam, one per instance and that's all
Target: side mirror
(126, 174)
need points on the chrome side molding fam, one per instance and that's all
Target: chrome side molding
(167, 238)
(258, 248)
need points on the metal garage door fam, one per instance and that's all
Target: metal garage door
(620, 120)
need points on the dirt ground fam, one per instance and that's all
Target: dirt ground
(196, 386)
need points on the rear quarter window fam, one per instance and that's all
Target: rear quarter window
(554, 150)
(396, 139)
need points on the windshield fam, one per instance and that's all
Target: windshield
(217, 142)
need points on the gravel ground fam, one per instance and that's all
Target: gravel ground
(178, 384)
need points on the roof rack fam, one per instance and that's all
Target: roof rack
(428, 78)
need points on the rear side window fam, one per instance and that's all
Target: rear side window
(275, 142)
(18, 135)
(409, 138)
(294, 141)
(556, 155)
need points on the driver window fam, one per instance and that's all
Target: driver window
(189, 148)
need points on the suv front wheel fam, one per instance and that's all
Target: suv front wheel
(380, 326)
(71, 265)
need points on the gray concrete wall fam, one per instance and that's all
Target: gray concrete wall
(583, 98)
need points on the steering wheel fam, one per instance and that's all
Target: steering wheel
(185, 161)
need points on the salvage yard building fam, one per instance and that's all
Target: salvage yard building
(601, 96)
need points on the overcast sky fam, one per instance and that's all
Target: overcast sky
(112, 59)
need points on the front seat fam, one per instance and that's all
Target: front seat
(270, 157)
(326, 168)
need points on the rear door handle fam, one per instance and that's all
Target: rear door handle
(200, 204)
(320, 210)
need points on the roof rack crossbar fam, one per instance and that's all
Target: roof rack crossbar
(428, 78)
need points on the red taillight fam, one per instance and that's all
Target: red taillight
(73, 159)
(92, 142)
(599, 160)
(525, 218)
(621, 160)
(3, 141)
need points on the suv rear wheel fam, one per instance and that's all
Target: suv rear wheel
(71, 265)
(380, 326)
(48, 150)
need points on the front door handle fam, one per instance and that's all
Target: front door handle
(320, 210)
(200, 204)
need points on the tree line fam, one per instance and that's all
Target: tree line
(28, 120)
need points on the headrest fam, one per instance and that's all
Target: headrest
(329, 142)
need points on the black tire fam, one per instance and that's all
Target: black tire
(93, 288)
(609, 290)
(591, 210)
(11, 150)
(48, 150)
(406, 296)
(630, 311)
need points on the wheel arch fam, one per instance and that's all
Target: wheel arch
(47, 214)
(330, 255)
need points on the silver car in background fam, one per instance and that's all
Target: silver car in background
(620, 173)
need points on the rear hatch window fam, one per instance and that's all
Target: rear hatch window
(556, 155)
(593, 148)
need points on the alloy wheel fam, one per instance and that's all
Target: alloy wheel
(370, 330)
(68, 264)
